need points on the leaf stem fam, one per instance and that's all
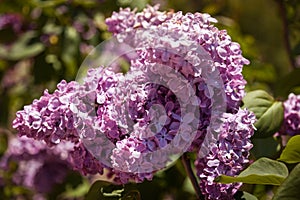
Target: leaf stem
(188, 168)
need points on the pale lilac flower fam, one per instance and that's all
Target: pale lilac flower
(228, 155)
(127, 20)
(50, 118)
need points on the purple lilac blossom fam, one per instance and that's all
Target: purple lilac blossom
(126, 20)
(166, 27)
(75, 112)
(228, 156)
(291, 121)
(121, 115)
(49, 118)
(37, 163)
(112, 106)
(225, 53)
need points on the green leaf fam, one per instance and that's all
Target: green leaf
(263, 171)
(248, 196)
(188, 186)
(76, 192)
(21, 48)
(269, 113)
(241, 195)
(291, 153)
(102, 190)
(95, 190)
(132, 195)
(289, 190)
(70, 51)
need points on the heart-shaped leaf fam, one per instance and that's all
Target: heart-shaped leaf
(291, 153)
(269, 113)
(264, 171)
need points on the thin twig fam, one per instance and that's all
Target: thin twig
(188, 168)
(286, 32)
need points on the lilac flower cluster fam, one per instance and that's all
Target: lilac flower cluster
(114, 121)
(225, 53)
(156, 35)
(37, 163)
(49, 118)
(122, 114)
(291, 122)
(228, 156)
(76, 113)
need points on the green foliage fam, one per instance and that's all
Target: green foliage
(263, 171)
(291, 153)
(22, 48)
(288, 83)
(244, 196)
(70, 52)
(139, 4)
(102, 190)
(3, 142)
(248, 196)
(264, 147)
(269, 113)
(289, 190)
